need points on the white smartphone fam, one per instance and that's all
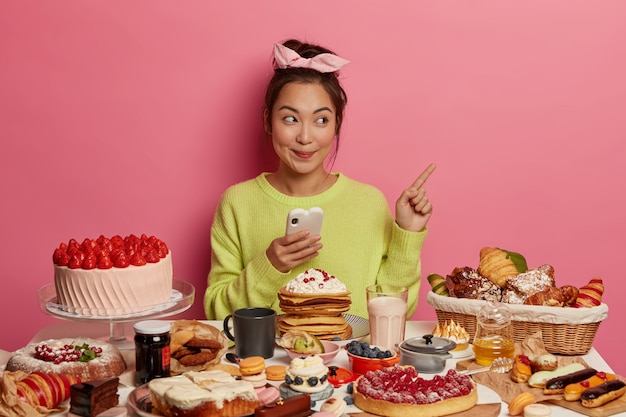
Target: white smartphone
(301, 219)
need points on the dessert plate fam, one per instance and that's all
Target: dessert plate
(463, 354)
(139, 401)
(360, 328)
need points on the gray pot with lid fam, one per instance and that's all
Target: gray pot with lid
(426, 354)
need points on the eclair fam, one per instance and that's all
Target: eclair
(603, 393)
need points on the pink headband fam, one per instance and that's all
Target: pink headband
(288, 58)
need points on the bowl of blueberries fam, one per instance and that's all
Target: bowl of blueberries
(364, 357)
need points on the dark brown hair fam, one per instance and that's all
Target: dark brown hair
(329, 81)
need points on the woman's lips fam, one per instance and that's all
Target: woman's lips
(304, 155)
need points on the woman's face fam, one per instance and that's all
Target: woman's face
(303, 127)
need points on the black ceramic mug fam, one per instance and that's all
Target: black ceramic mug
(255, 331)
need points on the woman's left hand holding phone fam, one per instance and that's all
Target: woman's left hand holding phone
(287, 252)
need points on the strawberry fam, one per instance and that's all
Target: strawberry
(153, 256)
(106, 245)
(73, 246)
(90, 261)
(162, 248)
(119, 258)
(57, 255)
(117, 241)
(88, 245)
(137, 260)
(104, 262)
(63, 259)
(75, 261)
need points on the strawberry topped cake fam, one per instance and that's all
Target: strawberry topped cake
(112, 276)
(398, 392)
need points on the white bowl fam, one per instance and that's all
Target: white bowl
(330, 351)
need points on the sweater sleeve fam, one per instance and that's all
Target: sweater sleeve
(402, 265)
(232, 285)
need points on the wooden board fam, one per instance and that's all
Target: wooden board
(613, 407)
(480, 410)
(609, 409)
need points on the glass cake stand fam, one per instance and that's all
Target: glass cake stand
(182, 298)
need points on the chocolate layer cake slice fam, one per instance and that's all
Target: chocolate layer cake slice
(91, 398)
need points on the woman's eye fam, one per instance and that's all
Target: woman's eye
(322, 120)
(290, 119)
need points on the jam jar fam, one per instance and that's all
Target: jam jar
(152, 350)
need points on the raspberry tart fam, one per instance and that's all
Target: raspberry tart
(84, 358)
(112, 276)
(398, 392)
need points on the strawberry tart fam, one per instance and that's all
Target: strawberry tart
(112, 276)
(398, 392)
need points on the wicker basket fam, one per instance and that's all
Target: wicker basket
(566, 331)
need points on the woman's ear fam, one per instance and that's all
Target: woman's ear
(267, 124)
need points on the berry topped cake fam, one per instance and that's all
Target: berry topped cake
(307, 374)
(398, 392)
(116, 276)
(85, 358)
(314, 302)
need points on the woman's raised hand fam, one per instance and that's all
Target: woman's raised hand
(413, 209)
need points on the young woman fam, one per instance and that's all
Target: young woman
(361, 243)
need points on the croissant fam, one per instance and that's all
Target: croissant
(550, 296)
(498, 264)
(590, 295)
(47, 390)
(438, 284)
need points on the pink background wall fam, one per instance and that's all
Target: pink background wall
(133, 117)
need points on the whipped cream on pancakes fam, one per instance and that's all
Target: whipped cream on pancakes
(315, 281)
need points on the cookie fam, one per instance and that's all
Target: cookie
(252, 365)
(183, 351)
(197, 359)
(203, 344)
(231, 369)
(276, 372)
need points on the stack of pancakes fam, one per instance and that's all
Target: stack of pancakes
(317, 314)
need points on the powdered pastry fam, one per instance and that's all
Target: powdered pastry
(87, 359)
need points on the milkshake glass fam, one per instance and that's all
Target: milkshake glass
(387, 306)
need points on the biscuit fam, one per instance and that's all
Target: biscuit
(197, 358)
(231, 369)
(276, 372)
(203, 343)
(257, 380)
(183, 351)
(252, 365)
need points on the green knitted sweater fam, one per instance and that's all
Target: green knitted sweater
(363, 245)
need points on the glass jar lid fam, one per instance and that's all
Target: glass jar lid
(150, 327)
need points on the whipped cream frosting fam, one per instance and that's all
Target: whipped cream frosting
(315, 281)
(194, 388)
(306, 368)
(114, 291)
